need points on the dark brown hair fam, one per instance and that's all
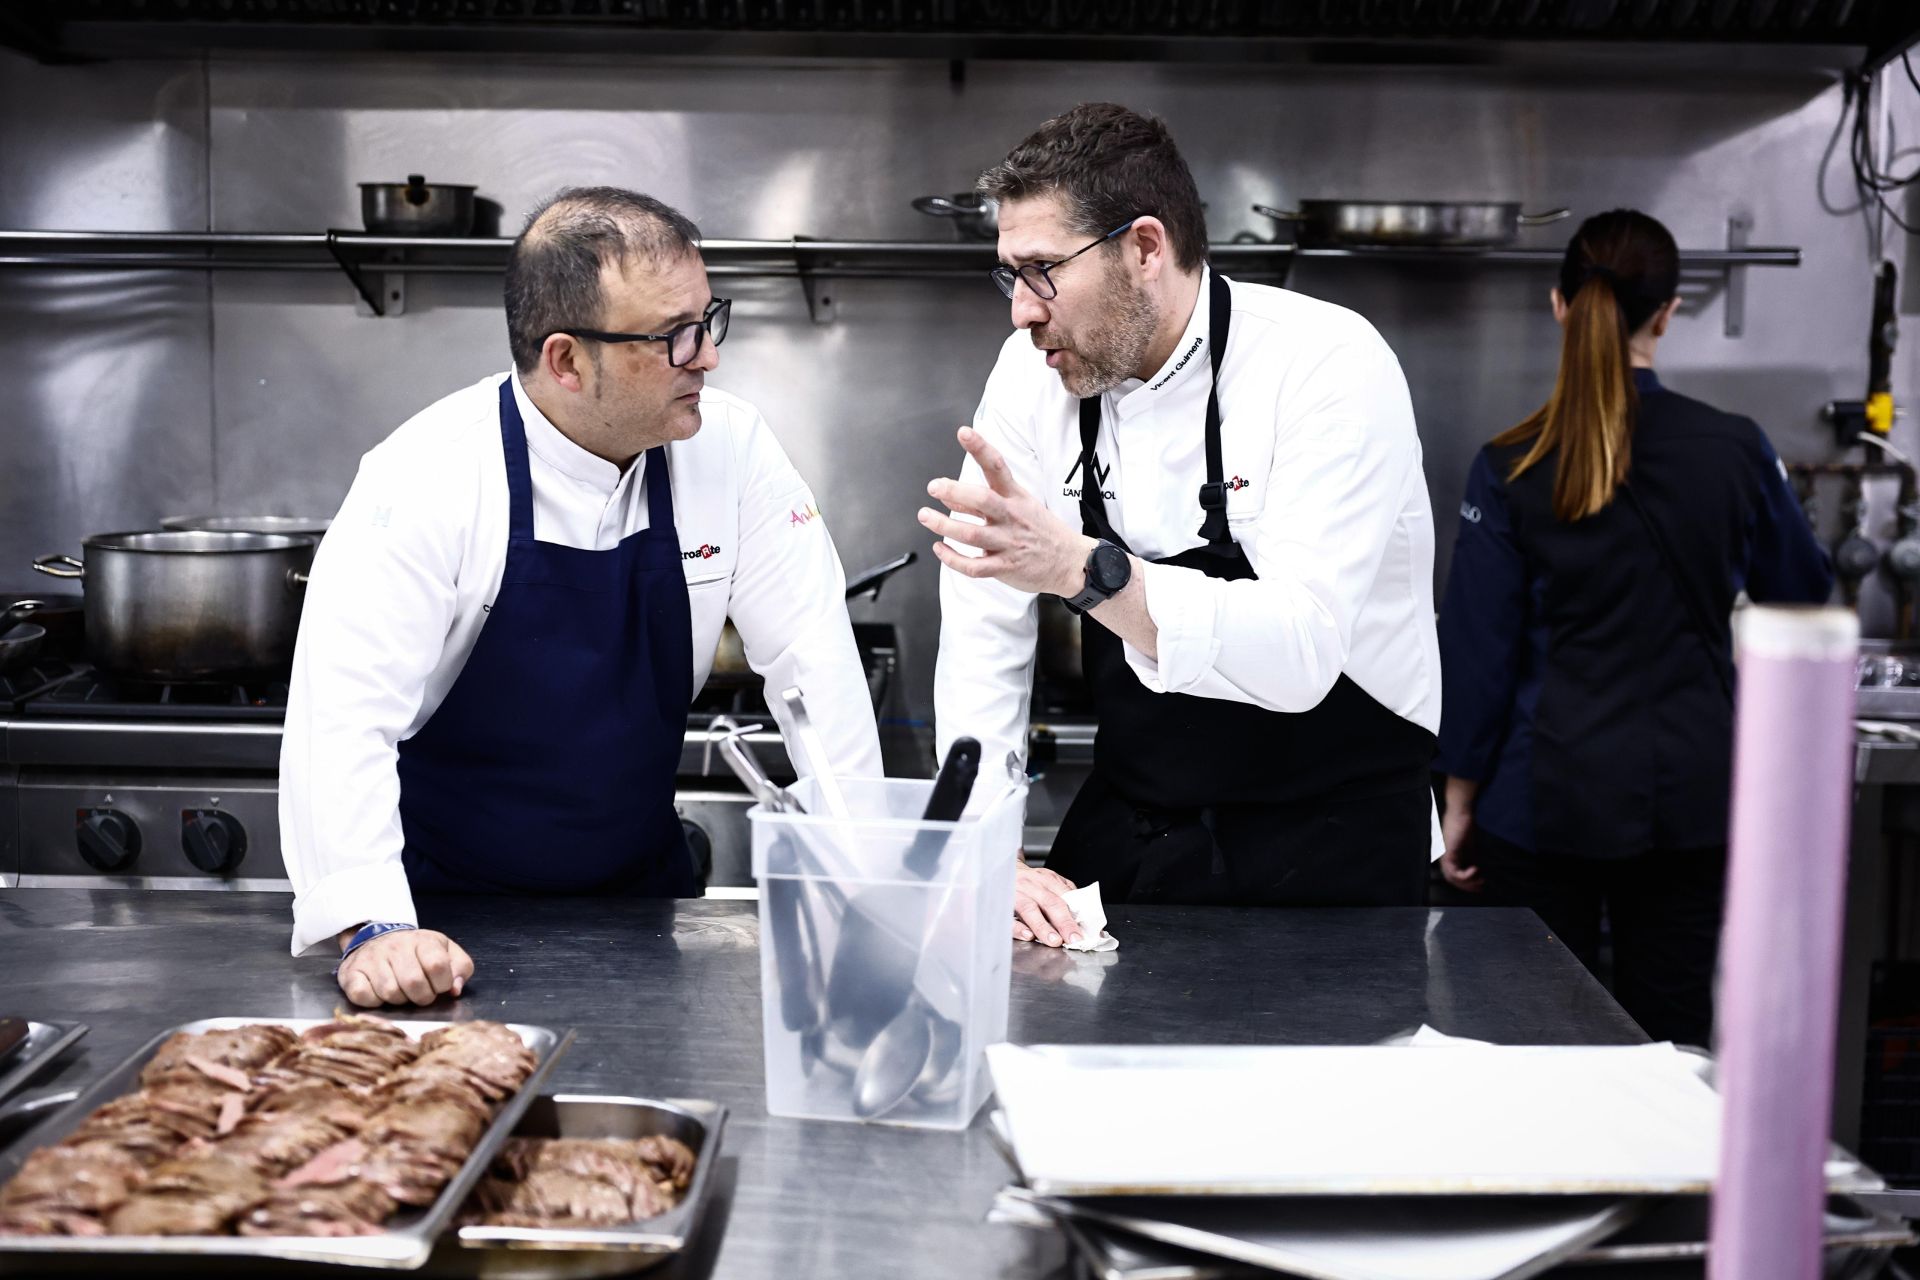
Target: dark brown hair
(1621, 267)
(553, 270)
(1108, 164)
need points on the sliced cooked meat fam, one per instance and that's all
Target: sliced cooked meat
(282, 1143)
(169, 1214)
(350, 1055)
(540, 1182)
(345, 1109)
(671, 1158)
(488, 1055)
(78, 1179)
(189, 1105)
(436, 1083)
(609, 1160)
(419, 1144)
(436, 1118)
(129, 1124)
(336, 1164)
(291, 1126)
(350, 1209)
(197, 1194)
(43, 1220)
(246, 1049)
(554, 1198)
(210, 1172)
(327, 1133)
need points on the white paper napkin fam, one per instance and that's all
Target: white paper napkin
(1091, 916)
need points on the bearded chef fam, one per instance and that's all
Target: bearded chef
(1224, 481)
(519, 596)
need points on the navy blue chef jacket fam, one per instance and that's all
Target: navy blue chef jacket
(1579, 691)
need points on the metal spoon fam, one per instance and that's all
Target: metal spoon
(894, 1062)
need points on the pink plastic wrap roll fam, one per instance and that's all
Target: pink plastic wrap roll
(1780, 953)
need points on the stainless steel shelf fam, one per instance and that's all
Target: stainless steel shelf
(364, 258)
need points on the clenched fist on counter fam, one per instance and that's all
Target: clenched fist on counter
(410, 966)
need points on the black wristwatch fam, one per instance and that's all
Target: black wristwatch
(1108, 570)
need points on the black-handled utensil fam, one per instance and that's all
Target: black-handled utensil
(948, 801)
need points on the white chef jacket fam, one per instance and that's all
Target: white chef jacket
(405, 575)
(1325, 495)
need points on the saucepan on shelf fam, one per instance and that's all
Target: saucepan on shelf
(417, 207)
(1429, 224)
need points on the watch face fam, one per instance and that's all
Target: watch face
(1110, 568)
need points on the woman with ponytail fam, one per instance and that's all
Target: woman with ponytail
(1586, 651)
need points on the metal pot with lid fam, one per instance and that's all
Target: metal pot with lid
(416, 207)
(183, 605)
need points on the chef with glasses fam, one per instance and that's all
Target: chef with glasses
(1223, 480)
(521, 593)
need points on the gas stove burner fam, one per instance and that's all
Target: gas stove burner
(94, 693)
(17, 686)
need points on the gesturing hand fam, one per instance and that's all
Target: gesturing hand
(1025, 545)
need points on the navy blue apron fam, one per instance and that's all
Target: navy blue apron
(549, 767)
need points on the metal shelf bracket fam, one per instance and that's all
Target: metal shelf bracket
(382, 293)
(1734, 314)
(820, 305)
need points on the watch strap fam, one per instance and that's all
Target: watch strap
(1093, 593)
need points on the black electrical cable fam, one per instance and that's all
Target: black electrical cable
(1875, 186)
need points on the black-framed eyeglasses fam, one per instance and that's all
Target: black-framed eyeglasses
(1039, 275)
(683, 340)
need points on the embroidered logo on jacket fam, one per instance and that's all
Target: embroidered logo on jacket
(1191, 348)
(1469, 513)
(803, 515)
(705, 551)
(1237, 483)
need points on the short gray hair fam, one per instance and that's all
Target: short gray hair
(553, 271)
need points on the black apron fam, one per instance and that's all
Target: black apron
(1204, 800)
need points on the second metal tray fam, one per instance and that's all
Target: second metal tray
(45, 1041)
(699, 1124)
(409, 1237)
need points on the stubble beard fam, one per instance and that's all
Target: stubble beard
(1111, 351)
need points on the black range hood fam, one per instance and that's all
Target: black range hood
(1757, 33)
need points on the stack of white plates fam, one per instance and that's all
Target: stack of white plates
(1441, 1160)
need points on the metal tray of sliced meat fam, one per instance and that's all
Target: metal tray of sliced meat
(590, 1173)
(44, 1042)
(350, 1140)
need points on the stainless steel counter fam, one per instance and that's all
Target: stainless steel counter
(666, 1000)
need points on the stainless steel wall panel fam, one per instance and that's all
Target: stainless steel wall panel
(298, 384)
(109, 409)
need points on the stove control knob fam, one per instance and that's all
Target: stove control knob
(214, 841)
(109, 840)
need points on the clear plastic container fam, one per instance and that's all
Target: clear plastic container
(884, 951)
